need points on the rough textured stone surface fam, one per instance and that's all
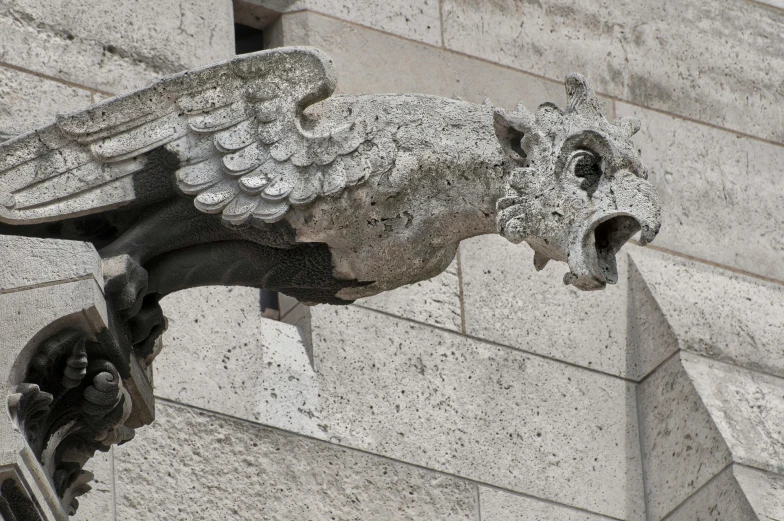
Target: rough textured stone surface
(488, 413)
(169, 472)
(235, 363)
(763, 490)
(413, 19)
(42, 261)
(435, 301)
(114, 46)
(747, 407)
(369, 61)
(681, 447)
(508, 302)
(20, 92)
(721, 499)
(719, 192)
(502, 506)
(442, 401)
(671, 55)
(98, 503)
(713, 312)
(649, 336)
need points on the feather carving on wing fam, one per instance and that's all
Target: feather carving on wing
(236, 128)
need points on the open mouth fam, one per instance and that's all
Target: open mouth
(609, 236)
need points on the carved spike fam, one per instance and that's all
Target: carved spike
(215, 199)
(629, 126)
(580, 95)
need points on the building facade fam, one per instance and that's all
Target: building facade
(492, 392)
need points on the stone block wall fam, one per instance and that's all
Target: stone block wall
(492, 392)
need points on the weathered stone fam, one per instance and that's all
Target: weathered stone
(19, 92)
(415, 20)
(33, 262)
(370, 61)
(763, 490)
(237, 363)
(716, 192)
(672, 55)
(502, 506)
(438, 400)
(508, 302)
(681, 447)
(98, 504)
(747, 408)
(649, 336)
(169, 472)
(721, 499)
(710, 311)
(435, 301)
(114, 46)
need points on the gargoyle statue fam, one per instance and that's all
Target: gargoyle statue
(249, 173)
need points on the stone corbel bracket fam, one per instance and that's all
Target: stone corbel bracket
(74, 386)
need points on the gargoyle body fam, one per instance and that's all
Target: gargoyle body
(249, 173)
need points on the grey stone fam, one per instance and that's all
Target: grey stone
(169, 472)
(763, 490)
(29, 262)
(114, 46)
(678, 56)
(650, 338)
(373, 62)
(431, 398)
(378, 187)
(412, 19)
(98, 504)
(534, 312)
(681, 447)
(435, 301)
(716, 192)
(503, 506)
(747, 408)
(711, 311)
(721, 499)
(19, 92)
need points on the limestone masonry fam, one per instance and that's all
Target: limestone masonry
(371, 155)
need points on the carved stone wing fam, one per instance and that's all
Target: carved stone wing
(237, 129)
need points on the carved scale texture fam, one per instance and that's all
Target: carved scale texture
(237, 129)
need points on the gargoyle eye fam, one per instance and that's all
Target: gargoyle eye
(587, 166)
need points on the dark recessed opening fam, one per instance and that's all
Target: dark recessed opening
(247, 39)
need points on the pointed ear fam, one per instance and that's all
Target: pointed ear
(510, 128)
(580, 96)
(629, 126)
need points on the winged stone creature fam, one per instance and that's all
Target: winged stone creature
(248, 173)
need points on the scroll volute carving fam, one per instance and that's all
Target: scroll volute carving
(73, 402)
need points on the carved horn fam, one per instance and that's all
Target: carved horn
(580, 95)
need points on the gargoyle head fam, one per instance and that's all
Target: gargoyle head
(580, 191)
